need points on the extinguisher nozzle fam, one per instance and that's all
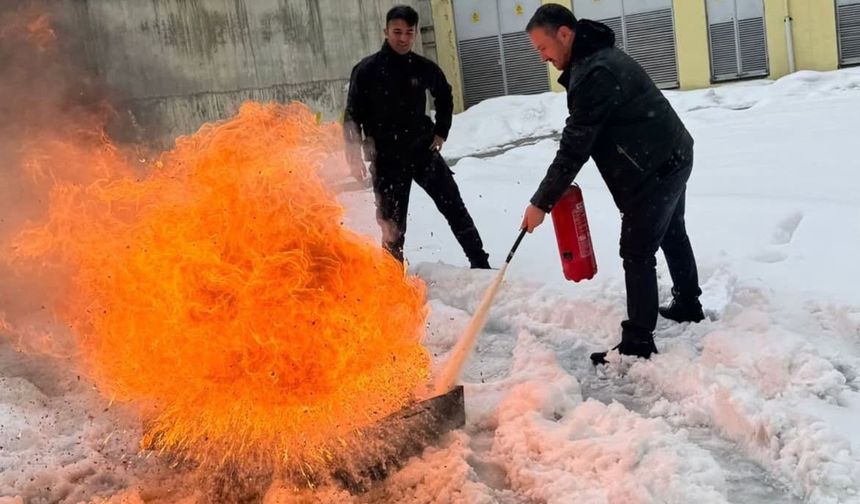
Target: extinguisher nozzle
(516, 245)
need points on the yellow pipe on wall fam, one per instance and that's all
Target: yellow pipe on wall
(815, 39)
(789, 38)
(813, 30)
(774, 25)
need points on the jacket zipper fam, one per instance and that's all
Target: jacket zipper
(624, 153)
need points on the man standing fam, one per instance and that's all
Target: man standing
(386, 104)
(644, 154)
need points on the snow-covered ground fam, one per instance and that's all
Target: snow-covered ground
(760, 403)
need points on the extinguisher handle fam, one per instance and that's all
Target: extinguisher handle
(516, 245)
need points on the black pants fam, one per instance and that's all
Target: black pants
(392, 181)
(657, 222)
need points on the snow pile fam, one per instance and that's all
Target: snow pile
(500, 122)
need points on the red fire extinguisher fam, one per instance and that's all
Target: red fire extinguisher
(574, 239)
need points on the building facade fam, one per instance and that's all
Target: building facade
(175, 65)
(686, 44)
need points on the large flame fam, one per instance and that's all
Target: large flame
(222, 292)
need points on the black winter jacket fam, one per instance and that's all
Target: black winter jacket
(386, 100)
(618, 117)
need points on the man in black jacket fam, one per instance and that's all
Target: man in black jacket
(644, 154)
(386, 104)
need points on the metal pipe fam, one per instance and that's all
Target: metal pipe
(789, 38)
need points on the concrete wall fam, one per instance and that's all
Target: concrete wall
(179, 63)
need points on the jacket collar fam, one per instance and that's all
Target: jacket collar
(390, 53)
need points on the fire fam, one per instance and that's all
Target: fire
(221, 292)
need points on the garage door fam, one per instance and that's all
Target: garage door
(496, 56)
(645, 29)
(737, 39)
(848, 27)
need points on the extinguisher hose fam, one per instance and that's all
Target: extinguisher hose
(516, 245)
(463, 348)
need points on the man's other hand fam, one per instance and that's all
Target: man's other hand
(356, 165)
(437, 144)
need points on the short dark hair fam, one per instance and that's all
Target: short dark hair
(404, 12)
(552, 16)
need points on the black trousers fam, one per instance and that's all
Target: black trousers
(657, 221)
(393, 174)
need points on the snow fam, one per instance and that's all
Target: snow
(500, 122)
(759, 403)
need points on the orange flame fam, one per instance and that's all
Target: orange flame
(222, 292)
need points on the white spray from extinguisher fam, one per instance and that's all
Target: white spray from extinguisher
(578, 263)
(451, 372)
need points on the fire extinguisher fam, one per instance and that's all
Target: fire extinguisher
(574, 239)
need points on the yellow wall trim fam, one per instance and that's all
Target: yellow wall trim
(691, 44)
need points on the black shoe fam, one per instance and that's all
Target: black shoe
(599, 358)
(683, 310)
(396, 252)
(480, 263)
(641, 347)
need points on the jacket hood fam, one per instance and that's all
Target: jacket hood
(591, 36)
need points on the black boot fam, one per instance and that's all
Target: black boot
(480, 262)
(599, 358)
(683, 309)
(638, 345)
(395, 250)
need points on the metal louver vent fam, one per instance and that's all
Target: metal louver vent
(738, 39)
(753, 47)
(480, 60)
(525, 72)
(650, 40)
(848, 25)
(724, 51)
